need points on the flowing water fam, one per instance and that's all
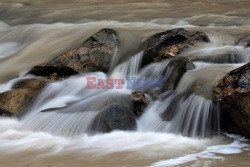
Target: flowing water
(56, 129)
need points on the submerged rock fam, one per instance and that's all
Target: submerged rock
(140, 102)
(233, 94)
(114, 117)
(22, 94)
(94, 55)
(170, 43)
(174, 71)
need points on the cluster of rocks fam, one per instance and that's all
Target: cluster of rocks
(96, 53)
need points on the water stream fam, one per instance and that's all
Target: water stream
(178, 128)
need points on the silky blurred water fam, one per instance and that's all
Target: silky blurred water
(32, 32)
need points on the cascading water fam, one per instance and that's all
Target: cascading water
(64, 125)
(69, 108)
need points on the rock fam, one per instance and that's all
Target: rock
(174, 71)
(243, 76)
(170, 43)
(34, 84)
(94, 55)
(120, 113)
(140, 102)
(22, 94)
(114, 117)
(233, 94)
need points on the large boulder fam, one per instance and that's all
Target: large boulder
(120, 113)
(114, 117)
(11, 102)
(170, 43)
(174, 71)
(233, 94)
(94, 55)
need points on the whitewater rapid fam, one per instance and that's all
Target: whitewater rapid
(32, 32)
(175, 149)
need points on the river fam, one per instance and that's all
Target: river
(32, 32)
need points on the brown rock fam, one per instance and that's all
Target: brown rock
(140, 102)
(94, 55)
(34, 84)
(233, 94)
(170, 43)
(23, 92)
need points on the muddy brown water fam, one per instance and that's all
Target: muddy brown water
(35, 31)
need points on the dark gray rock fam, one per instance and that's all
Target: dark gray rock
(174, 71)
(242, 76)
(114, 117)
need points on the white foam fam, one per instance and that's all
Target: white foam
(235, 147)
(13, 139)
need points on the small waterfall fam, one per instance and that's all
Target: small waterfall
(192, 116)
(68, 108)
(153, 70)
(63, 124)
(189, 110)
(129, 68)
(189, 115)
(47, 113)
(202, 80)
(71, 119)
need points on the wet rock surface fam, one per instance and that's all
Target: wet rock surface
(22, 94)
(170, 43)
(233, 94)
(120, 115)
(177, 67)
(114, 117)
(94, 55)
(140, 102)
